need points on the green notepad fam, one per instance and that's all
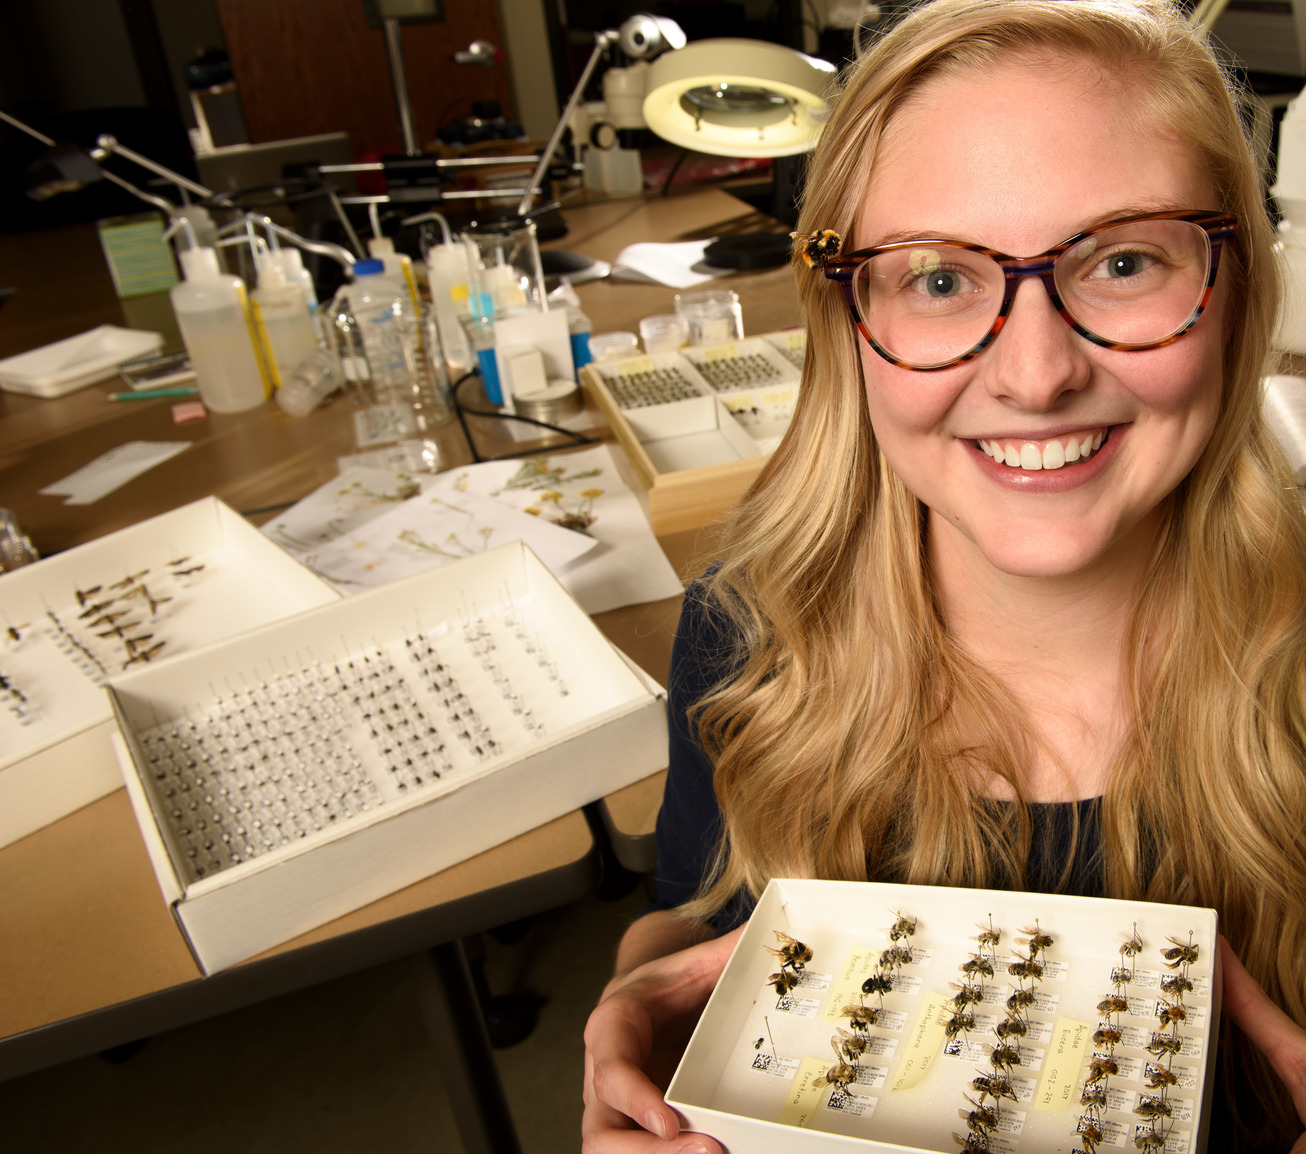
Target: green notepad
(140, 260)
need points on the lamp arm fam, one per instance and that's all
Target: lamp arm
(602, 42)
(110, 146)
(165, 206)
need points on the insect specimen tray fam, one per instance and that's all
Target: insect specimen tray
(890, 1017)
(699, 424)
(135, 597)
(327, 760)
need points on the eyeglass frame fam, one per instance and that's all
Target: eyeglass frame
(1218, 227)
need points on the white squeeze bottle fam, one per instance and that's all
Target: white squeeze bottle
(398, 267)
(281, 314)
(215, 322)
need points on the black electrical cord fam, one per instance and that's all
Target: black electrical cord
(463, 412)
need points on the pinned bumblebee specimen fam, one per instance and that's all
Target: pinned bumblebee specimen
(817, 247)
(842, 1074)
(794, 956)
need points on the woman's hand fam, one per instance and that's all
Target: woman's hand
(1275, 1034)
(633, 1040)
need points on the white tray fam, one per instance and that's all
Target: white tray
(329, 759)
(749, 1077)
(75, 362)
(55, 754)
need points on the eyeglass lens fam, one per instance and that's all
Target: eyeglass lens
(1132, 284)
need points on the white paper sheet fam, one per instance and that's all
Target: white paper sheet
(112, 470)
(678, 265)
(431, 530)
(627, 567)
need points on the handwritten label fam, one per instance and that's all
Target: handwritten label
(1059, 1085)
(924, 1042)
(804, 1095)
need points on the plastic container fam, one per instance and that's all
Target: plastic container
(449, 276)
(398, 266)
(214, 318)
(664, 333)
(283, 321)
(314, 379)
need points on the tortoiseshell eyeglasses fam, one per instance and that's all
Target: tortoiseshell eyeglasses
(1135, 283)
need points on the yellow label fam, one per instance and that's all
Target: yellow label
(1059, 1085)
(459, 292)
(720, 353)
(924, 1043)
(797, 341)
(783, 397)
(804, 1095)
(262, 355)
(846, 988)
(637, 365)
(273, 373)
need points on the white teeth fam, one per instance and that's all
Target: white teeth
(1054, 455)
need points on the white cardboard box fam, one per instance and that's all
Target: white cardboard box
(748, 1077)
(75, 362)
(55, 753)
(322, 762)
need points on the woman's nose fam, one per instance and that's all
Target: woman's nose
(1036, 358)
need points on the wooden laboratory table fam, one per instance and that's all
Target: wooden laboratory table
(89, 955)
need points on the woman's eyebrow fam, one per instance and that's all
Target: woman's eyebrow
(1116, 212)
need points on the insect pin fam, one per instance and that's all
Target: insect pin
(817, 247)
(1133, 945)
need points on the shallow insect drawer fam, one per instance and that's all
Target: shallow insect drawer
(739, 366)
(318, 764)
(145, 593)
(1116, 1024)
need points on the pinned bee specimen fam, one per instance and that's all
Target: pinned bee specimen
(895, 956)
(92, 610)
(1171, 1014)
(1153, 1108)
(179, 561)
(14, 633)
(1162, 1044)
(860, 1018)
(1090, 1135)
(903, 926)
(188, 572)
(1020, 1000)
(1133, 945)
(977, 965)
(784, 981)
(1150, 1140)
(144, 655)
(1182, 954)
(841, 1075)
(1011, 1028)
(1159, 1076)
(83, 595)
(851, 1046)
(987, 935)
(1023, 968)
(1003, 1057)
(959, 1023)
(1093, 1097)
(966, 995)
(129, 580)
(1113, 1005)
(1035, 940)
(878, 983)
(1176, 985)
(979, 1116)
(994, 1085)
(973, 1143)
(1099, 1068)
(1106, 1036)
(792, 953)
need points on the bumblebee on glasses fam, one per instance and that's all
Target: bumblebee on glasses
(1133, 283)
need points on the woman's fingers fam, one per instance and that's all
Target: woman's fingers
(1275, 1034)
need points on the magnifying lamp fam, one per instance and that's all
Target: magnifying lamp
(746, 98)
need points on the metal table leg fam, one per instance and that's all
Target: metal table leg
(452, 1016)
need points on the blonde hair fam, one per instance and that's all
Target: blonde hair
(841, 743)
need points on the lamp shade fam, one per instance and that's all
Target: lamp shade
(739, 98)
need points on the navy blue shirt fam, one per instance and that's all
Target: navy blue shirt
(689, 822)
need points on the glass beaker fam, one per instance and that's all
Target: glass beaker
(506, 274)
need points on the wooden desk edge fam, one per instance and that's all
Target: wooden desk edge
(630, 818)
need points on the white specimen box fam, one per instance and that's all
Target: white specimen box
(748, 1077)
(792, 345)
(320, 763)
(691, 434)
(742, 365)
(57, 755)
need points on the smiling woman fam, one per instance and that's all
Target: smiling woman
(1021, 598)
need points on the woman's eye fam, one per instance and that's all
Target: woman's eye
(940, 284)
(1122, 264)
